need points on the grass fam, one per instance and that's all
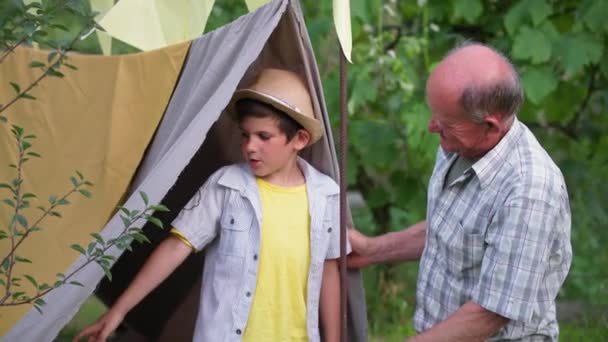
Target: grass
(88, 313)
(584, 329)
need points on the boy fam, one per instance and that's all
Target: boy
(268, 227)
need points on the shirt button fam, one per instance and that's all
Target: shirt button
(255, 257)
(232, 220)
(329, 230)
(238, 331)
(248, 294)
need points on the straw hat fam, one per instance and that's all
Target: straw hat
(285, 91)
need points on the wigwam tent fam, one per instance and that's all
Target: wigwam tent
(151, 122)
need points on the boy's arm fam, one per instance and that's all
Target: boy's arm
(161, 263)
(330, 301)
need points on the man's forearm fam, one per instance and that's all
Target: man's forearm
(404, 245)
(469, 323)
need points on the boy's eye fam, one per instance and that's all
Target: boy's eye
(264, 136)
(244, 135)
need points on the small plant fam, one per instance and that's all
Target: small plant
(12, 291)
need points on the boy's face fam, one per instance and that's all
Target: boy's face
(266, 149)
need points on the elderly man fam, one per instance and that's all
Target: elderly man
(495, 246)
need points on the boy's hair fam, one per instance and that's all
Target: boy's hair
(254, 108)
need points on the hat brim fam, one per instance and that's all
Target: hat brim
(313, 126)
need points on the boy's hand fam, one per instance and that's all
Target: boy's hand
(100, 330)
(361, 251)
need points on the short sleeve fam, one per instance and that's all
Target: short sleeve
(523, 264)
(332, 221)
(198, 220)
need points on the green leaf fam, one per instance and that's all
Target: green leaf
(144, 197)
(141, 238)
(21, 259)
(51, 56)
(594, 16)
(5, 185)
(52, 199)
(538, 82)
(55, 213)
(28, 195)
(85, 193)
(79, 175)
(539, 10)
(98, 238)
(469, 10)
(106, 270)
(39, 302)
(33, 154)
(155, 221)
(37, 64)
(44, 287)
(159, 208)
(63, 201)
(22, 220)
(79, 249)
(3, 118)
(576, 50)
(61, 27)
(74, 181)
(515, 16)
(16, 87)
(91, 248)
(125, 221)
(9, 202)
(17, 295)
(25, 145)
(54, 73)
(531, 44)
(27, 96)
(73, 282)
(31, 280)
(71, 66)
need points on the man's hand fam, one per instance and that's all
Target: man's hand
(361, 251)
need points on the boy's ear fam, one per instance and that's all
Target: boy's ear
(301, 139)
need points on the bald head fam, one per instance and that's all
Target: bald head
(478, 80)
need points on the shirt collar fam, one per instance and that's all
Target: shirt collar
(487, 167)
(242, 179)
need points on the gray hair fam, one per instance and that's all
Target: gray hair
(504, 96)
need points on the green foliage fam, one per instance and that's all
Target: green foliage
(14, 292)
(558, 48)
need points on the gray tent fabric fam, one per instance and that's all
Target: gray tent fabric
(196, 137)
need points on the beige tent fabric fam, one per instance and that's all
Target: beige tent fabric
(98, 120)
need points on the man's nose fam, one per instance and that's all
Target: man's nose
(433, 126)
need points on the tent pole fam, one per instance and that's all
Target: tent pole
(343, 203)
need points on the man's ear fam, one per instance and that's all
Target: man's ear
(301, 139)
(494, 123)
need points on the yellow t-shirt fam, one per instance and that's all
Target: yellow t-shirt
(278, 311)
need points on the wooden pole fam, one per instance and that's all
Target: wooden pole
(343, 201)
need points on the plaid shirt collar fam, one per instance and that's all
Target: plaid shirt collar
(488, 166)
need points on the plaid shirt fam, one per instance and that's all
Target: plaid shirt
(498, 235)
